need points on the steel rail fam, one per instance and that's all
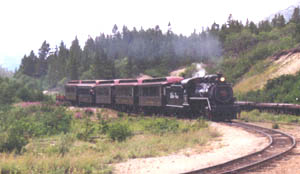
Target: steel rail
(233, 166)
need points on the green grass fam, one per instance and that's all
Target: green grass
(88, 147)
(256, 116)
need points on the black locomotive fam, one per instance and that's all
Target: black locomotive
(210, 95)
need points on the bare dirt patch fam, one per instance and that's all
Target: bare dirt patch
(289, 64)
(233, 144)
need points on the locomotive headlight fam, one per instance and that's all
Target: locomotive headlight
(222, 79)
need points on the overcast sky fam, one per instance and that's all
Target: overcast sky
(25, 24)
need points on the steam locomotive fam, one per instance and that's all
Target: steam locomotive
(210, 95)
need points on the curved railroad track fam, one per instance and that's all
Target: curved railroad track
(279, 144)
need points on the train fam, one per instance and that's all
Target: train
(210, 96)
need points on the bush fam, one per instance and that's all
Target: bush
(13, 139)
(65, 143)
(103, 126)
(88, 128)
(120, 114)
(161, 125)
(119, 131)
(33, 121)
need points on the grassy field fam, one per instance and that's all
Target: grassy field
(90, 141)
(256, 116)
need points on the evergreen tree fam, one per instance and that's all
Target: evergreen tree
(296, 16)
(264, 26)
(214, 29)
(28, 65)
(42, 61)
(88, 56)
(74, 60)
(102, 67)
(234, 25)
(253, 28)
(278, 21)
(53, 70)
(63, 58)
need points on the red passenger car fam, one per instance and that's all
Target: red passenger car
(71, 91)
(104, 92)
(152, 92)
(126, 92)
(85, 91)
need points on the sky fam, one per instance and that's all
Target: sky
(26, 24)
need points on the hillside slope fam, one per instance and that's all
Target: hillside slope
(282, 63)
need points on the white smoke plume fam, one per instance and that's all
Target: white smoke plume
(200, 70)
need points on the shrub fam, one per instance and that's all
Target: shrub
(120, 114)
(13, 140)
(56, 121)
(119, 131)
(65, 143)
(15, 90)
(103, 126)
(88, 128)
(33, 121)
(161, 125)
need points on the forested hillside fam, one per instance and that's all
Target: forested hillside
(234, 48)
(123, 54)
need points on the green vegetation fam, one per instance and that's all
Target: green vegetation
(18, 125)
(46, 139)
(23, 89)
(256, 116)
(284, 89)
(119, 131)
(246, 49)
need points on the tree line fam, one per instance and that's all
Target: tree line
(127, 53)
(123, 54)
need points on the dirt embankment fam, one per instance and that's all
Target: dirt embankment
(286, 62)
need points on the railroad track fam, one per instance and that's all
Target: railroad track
(279, 144)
